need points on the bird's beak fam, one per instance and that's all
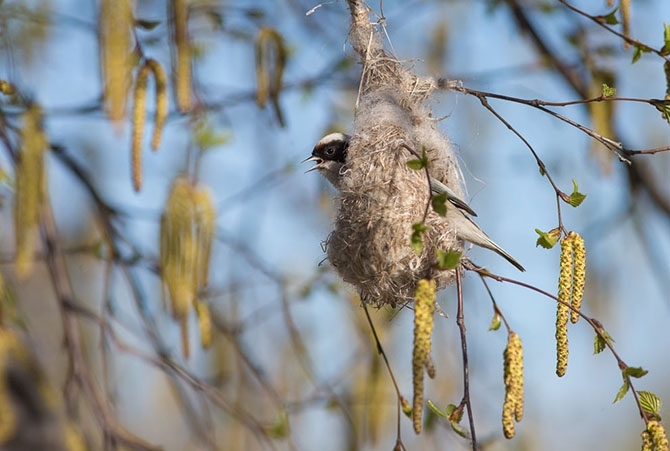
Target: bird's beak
(317, 160)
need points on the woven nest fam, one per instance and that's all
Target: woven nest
(381, 197)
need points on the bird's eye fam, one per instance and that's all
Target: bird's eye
(330, 151)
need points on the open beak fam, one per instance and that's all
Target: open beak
(317, 160)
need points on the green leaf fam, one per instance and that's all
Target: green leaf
(649, 402)
(622, 391)
(450, 409)
(547, 239)
(608, 91)
(420, 163)
(416, 239)
(576, 198)
(459, 430)
(448, 260)
(666, 40)
(598, 344)
(436, 410)
(635, 371)
(416, 164)
(638, 52)
(281, 427)
(609, 19)
(206, 137)
(439, 203)
(664, 105)
(495, 322)
(147, 24)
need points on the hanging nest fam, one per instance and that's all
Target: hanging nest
(381, 197)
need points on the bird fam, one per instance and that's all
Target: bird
(330, 156)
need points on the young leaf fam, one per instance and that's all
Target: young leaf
(453, 413)
(576, 198)
(439, 203)
(608, 91)
(448, 260)
(416, 239)
(436, 410)
(635, 371)
(609, 19)
(416, 164)
(547, 239)
(495, 322)
(649, 402)
(666, 40)
(598, 344)
(637, 53)
(420, 163)
(622, 391)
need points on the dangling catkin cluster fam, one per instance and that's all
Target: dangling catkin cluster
(178, 14)
(116, 21)
(187, 230)
(140, 113)
(381, 197)
(579, 275)
(30, 187)
(654, 438)
(424, 309)
(571, 291)
(513, 377)
(562, 310)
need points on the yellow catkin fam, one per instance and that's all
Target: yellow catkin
(271, 56)
(161, 102)
(562, 310)
(7, 88)
(10, 347)
(424, 309)
(187, 231)
(579, 275)
(30, 187)
(182, 45)
(647, 443)
(74, 441)
(205, 223)
(625, 20)
(658, 437)
(205, 323)
(176, 247)
(115, 46)
(513, 378)
(139, 119)
(262, 69)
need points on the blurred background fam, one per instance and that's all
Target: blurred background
(292, 363)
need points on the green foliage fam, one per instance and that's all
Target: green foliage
(600, 341)
(439, 203)
(576, 198)
(622, 391)
(420, 163)
(638, 52)
(635, 371)
(495, 322)
(206, 136)
(609, 18)
(548, 239)
(608, 91)
(666, 40)
(448, 260)
(649, 402)
(416, 240)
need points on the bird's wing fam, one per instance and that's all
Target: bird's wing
(438, 188)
